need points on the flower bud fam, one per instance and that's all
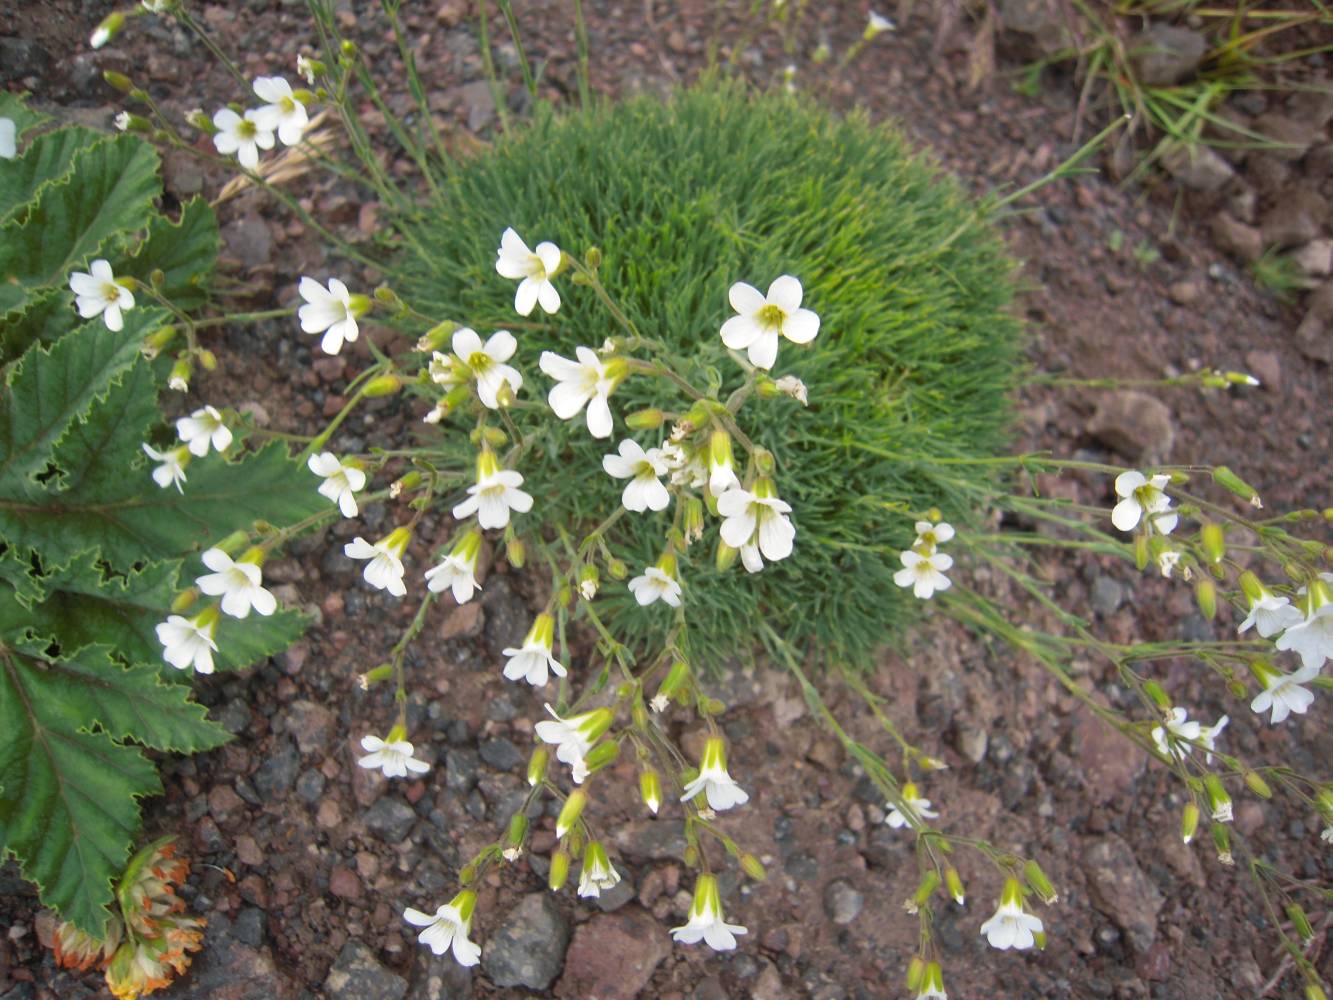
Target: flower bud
(233, 542)
(692, 520)
(726, 556)
(645, 420)
(593, 258)
(373, 676)
(763, 461)
(676, 678)
(1214, 541)
(1205, 594)
(929, 883)
(559, 869)
(184, 599)
(1253, 589)
(1257, 785)
(107, 30)
(602, 755)
(650, 789)
(200, 121)
(1222, 841)
(382, 385)
(1228, 480)
(118, 81)
(1189, 821)
(537, 766)
(589, 580)
(1039, 883)
(1218, 799)
(437, 336)
(1313, 991)
(1299, 921)
(571, 811)
(515, 551)
(1141, 552)
(207, 360)
(916, 972)
(1160, 698)
(179, 378)
(954, 883)
(518, 829)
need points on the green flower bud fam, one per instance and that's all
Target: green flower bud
(1228, 480)
(1189, 821)
(559, 870)
(1205, 593)
(645, 420)
(1039, 883)
(753, 867)
(537, 766)
(572, 810)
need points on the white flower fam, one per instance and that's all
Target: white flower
(644, 491)
(305, 67)
(706, 922)
(446, 370)
(1141, 496)
(244, 136)
(283, 112)
(458, 571)
(929, 535)
(202, 428)
(916, 807)
(687, 466)
(585, 381)
(598, 872)
(393, 755)
(1283, 693)
(1011, 926)
(717, 785)
(531, 662)
(1270, 614)
(240, 584)
(1167, 738)
(1326, 835)
(790, 385)
(332, 312)
(1168, 560)
(188, 642)
(932, 980)
(762, 319)
(341, 482)
(756, 523)
(494, 495)
(1208, 737)
(122, 121)
(100, 292)
(384, 571)
(486, 363)
(9, 132)
(657, 583)
(574, 737)
(1312, 637)
(172, 470)
(877, 25)
(515, 260)
(721, 464)
(924, 574)
(449, 926)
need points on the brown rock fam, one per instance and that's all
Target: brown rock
(1266, 367)
(1236, 238)
(1315, 259)
(1110, 768)
(344, 883)
(224, 803)
(1165, 54)
(1184, 292)
(613, 956)
(248, 852)
(1197, 166)
(329, 369)
(1314, 337)
(1294, 136)
(1135, 424)
(463, 621)
(1119, 889)
(311, 724)
(1294, 219)
(328, 815)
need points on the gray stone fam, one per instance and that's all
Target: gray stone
(1238, 239)
(1314, 337)
(20, 57)
(358, 975)
(310, 786)
(311, 724)
(618, 895)
(1164, 54)
(1135, 424)
(528, 948)
(228, 968)
(1107, 595)
(1294, 219)
(480, 104)
(390, 817)
(651, 840)
(507, 617)
(1197, 166)
(278, 771)
(1293, 136)
(842, 901)
(1036, 27)
(501, 754)
(1119, 889)
(439, 977)
(249, 241)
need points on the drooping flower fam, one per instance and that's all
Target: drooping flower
(172, 470)
(719, 788)
(924, 574)
(98, 291)
(202, 428)
(721, 464)
(8, 139)
(1208, 737)
(706, 922)
(644, 491)
(877, 25)
(763, 319)
(282, 112)
(1312, 637)
(574, 737)
(497, 382)
(1176, 735)
(449, 927)
(384, 570)
(243, 136)
(393, 755)
(790, 385)
(1011, 926)
(598, 872)
(915, 807)
(1269, 614)
(588, 381)
(458, 570)
(239, 583)
(332, 312)
(1142, 497)
(188, 642)
(755, 521)
(657, 583)
(494, 495)
(1283, 693)
(533, 268)
(530, 663)
(341, 482)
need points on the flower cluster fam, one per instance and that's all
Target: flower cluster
(924, 565)
(283, 113)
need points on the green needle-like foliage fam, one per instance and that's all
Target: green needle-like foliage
(913, 363)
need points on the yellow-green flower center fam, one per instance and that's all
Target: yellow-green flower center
(770, 317)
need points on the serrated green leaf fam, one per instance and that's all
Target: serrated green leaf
(184, 251)
(47, 160)
(14, 107)
(44, 318)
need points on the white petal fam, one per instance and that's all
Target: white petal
(764, 351)
(745, 299)
(785, 293)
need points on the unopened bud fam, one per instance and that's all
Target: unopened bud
(602, 755)
(1299, 921)
(1313, 991)
(916, 971)
(518, 829)
(537, 766)
(1256, 784)
(929, 883)
(198, 120)
(382, 385)
(1222, 841)
(515, 551)
(1039, 883)
(178, 380)
(593, 258)
(1154, 691)
(1205, 594)
(118, 81)
(1189, 821)
(1141, 553)
(1228, 480)
(571, 811)
(436, 337)
(650, 789)
(954, 883)
(1214, 541)
(559, 870)
(374, 676)
(107, 30)
(645, 420)
(1218, 799)
(763, 461)
(753, 867)
(726, 556)
(617, 569)
(467, 874)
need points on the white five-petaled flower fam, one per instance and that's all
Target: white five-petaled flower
(658, 583)
(763, 319)
(1012, 926)
(172, 470)
(188, 642)
(1312, 637)
(756, 522)
(202, 428)
(1176, 735)
(534, 268)
(930, 535)
(283, 111)
(239, 583)
(644, 491)
(98, 291)
(449, 927)
(1283, 693)
(1269, 614)
(573, 737)
(244, 136)
(719, 788)
(915, 807)
(341, 482)
(458, 570)
(384, 570)
(924, 573)
(588, 381)
(487, 364)
(392, 755)
(9, 146)
(494, 495)
(706, 922)
(598, 873)
(1143, 497)
(332, 312)
(530, 663)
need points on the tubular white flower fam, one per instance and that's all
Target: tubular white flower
(341, 482)
(706, 922)
(188, 642)
(330, 311)
(756, 523)
(1142, 497)
(1283, 693)
(494, 495)
(1011, 926)
(98, 291)
(458, 570)
(515, 260)
(449, 927)
(877, 25)
(8, 139)
(282, 110)
(588, 381)
(172, 470)
(916, 807)
(486, 364)
(202, 428)
(924, 574)
(644, 491)
(243, 136)
(384, 570)
(719, 788)
(658, 583)
(392, 755)
(530, 663)
(762, 319)
(598, 873)
(574, 737)
(239, 584)
(1176, 735)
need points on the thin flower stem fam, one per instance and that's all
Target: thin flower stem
(581, 39)
(399, 651)
(524, 66)
(488, 65)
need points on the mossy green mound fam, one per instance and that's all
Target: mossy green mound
(915, 356)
